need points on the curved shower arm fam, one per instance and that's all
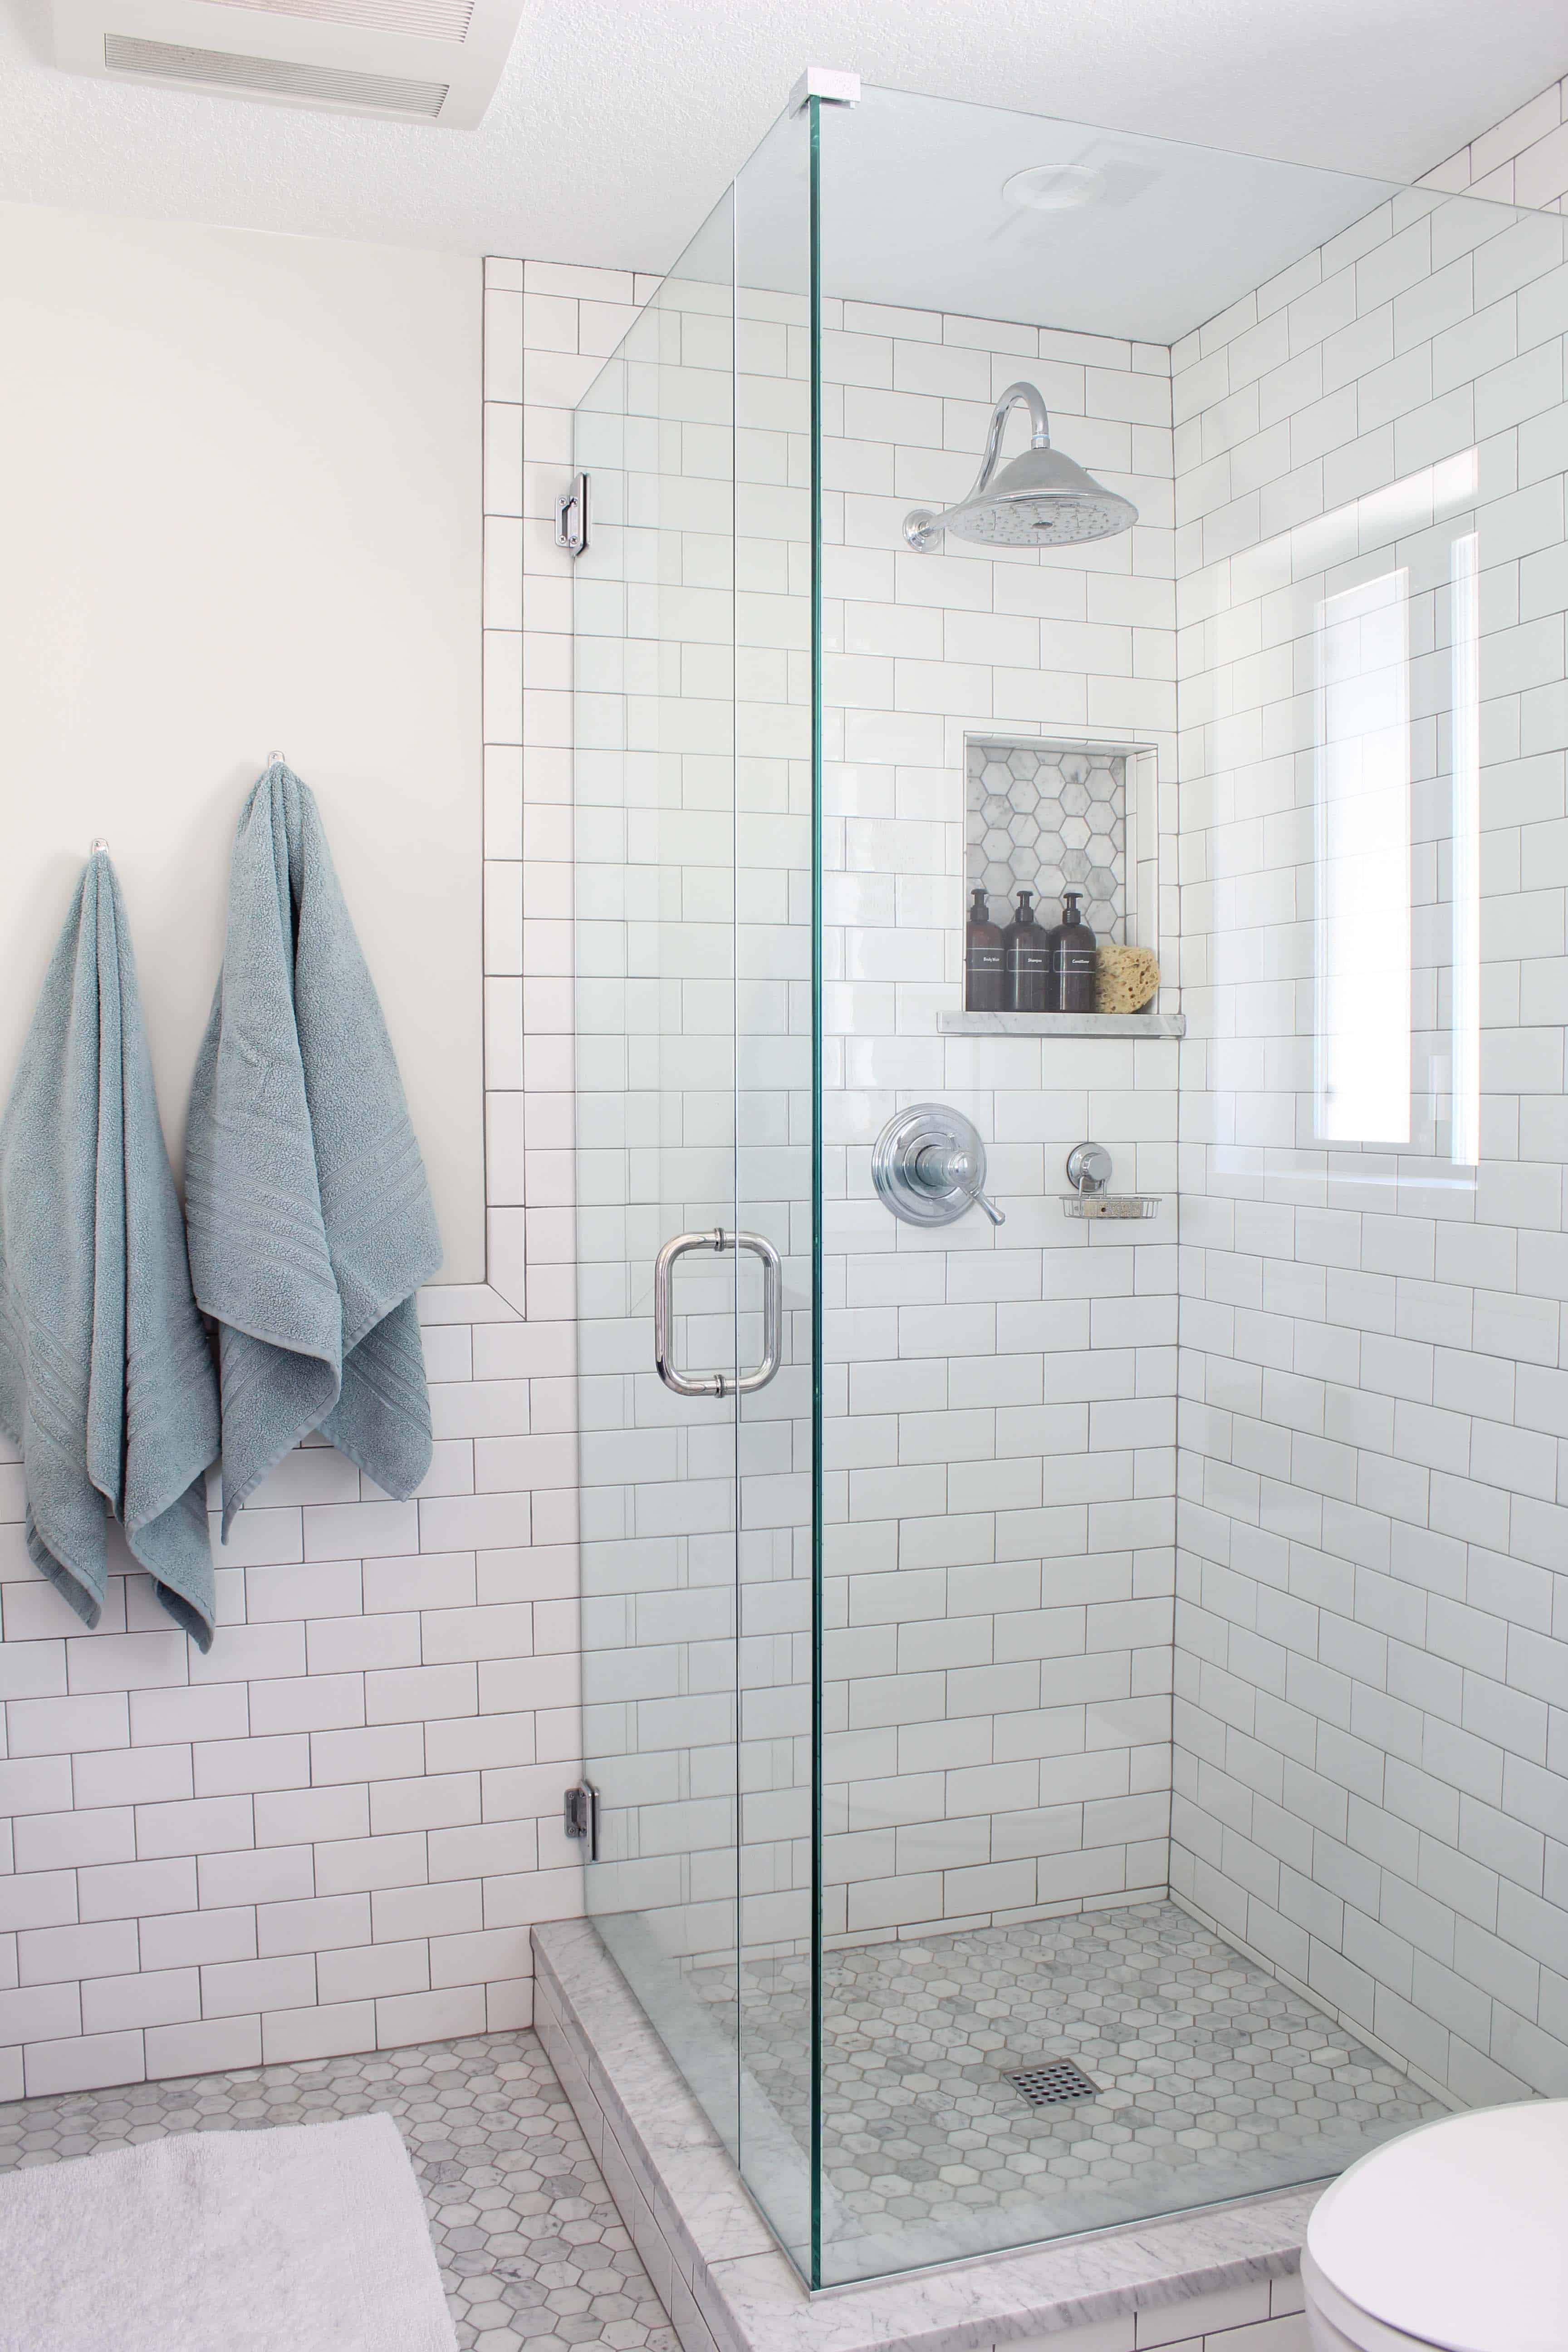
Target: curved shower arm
(1017, 396)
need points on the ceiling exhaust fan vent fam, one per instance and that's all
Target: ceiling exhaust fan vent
(425, 20)
(272, 77)
(430, 63)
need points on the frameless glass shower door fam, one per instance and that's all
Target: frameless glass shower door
(693, 918)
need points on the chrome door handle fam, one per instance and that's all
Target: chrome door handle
(717, 1384)
(748, 1383)
(691, 1384)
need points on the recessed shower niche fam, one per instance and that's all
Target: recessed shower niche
(1052, 814)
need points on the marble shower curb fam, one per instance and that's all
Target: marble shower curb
(728, 2288)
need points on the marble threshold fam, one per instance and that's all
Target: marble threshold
(729, 2288)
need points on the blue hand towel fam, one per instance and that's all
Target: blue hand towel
(106, 1374)
(308, 1217)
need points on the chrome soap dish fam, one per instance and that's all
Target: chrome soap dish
(1089, 1172)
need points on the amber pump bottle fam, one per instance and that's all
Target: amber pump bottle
(1023, 946)
(984, 973)
(1069, 950)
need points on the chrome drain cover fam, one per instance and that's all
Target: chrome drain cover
(1052, 2082)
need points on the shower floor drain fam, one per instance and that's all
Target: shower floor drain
(1053, 2083)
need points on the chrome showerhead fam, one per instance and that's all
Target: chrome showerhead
(1041, 499)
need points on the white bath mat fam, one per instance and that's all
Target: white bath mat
(304, 2239)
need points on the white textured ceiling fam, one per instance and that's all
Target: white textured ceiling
(618, 122)
(915, 213)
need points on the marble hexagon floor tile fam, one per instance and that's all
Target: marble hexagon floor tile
(532, 2250)
(1212, 2080)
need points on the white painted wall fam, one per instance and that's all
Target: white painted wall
(239, 481)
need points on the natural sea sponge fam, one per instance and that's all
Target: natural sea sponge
(1125, 979)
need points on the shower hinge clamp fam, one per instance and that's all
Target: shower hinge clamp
(581, 1817)
(834, 85)
(571, 516)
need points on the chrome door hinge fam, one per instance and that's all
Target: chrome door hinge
(571, 516)
(581, 1817)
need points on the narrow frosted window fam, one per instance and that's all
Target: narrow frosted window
(1361, 1029)
(1466, 765)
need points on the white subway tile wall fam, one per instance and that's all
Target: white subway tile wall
(999, 1404)
(1372, 1635)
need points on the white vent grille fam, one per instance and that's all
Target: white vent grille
(433, 63)
(274, 76)
(425, 20)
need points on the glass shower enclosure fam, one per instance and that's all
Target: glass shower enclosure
(990, 1786)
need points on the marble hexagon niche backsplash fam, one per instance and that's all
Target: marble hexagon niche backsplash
(1046, 818)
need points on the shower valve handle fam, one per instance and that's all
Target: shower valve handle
(949, 1166)
(928, 1166)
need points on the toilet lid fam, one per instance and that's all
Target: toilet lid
(1457, 2233)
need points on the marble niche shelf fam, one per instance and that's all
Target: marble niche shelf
(1062, 1024)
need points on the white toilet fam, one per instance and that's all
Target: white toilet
(1453, 2239)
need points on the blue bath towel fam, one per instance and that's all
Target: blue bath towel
(310, 1219)
(106, 1374)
